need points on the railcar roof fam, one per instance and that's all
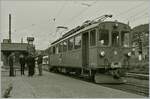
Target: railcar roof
(81, 29)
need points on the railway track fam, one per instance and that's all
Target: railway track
(128, 87)
(143, 90)
(138, 76)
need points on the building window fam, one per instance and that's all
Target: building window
(70, 43)
(64, 46)
(93, 37)
(77, 42)
(104, 36)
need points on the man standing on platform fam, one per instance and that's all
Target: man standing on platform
(22, 63)
(30, 64)
(11, 63)
(39, 61)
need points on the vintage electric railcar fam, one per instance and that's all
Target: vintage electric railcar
(93, 49)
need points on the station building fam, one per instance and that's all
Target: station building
(17, 48)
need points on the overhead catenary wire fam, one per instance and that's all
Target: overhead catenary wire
(57, 17)
(130, 9)
(138, 13)
(37, 24)
(119, 14)
(135, 15)
(60, 10)
(29, 26)
(54, 19)
(140, 17)
(26, 27)
(123, 16)
(72, 18)
(80, 13)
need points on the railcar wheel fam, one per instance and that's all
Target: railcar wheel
(78, 72)
(56, 70)
(92, 75)
(51, 69)
(67, 71)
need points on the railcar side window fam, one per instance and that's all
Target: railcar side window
(104, 36)
(115, 38)
(54, 49)
(60, 47)
(77, 42)
(50, 51)
(70, 43)
(65, 46)
(92, 37)
(57, 49)
(125, 39)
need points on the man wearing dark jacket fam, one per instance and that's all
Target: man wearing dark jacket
(31, 64)
(39, 61)
(22, 63)
(11, 63)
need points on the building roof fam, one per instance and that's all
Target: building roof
(14, 46)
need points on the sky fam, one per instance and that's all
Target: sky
(39, 18)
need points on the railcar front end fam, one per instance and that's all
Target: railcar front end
(113, 51)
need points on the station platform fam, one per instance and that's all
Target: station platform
(52, 85)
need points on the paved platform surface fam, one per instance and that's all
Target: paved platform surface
(52, 85)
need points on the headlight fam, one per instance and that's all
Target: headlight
(115, 52)
(102, 53)
(129, 53)
(133, 49)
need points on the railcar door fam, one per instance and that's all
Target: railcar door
(85, 49)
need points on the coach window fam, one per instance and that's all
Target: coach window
(70, 43)
(93, 37)
(104, 36)
(60, 47)
(77, 42)
(50, 51)
(54, 50)
(64, 46)
(57, 49)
